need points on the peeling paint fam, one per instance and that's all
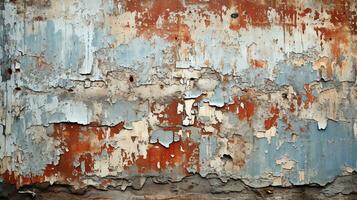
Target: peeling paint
(109, 93)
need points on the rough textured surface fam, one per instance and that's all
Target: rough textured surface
(110, 93)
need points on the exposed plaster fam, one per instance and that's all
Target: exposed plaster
(93, 92)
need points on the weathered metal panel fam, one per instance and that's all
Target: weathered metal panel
(110, 92)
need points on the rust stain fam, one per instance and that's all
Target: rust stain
(151, 13)
(170, 115)
(244, 107)
(309, 97)
(272, 121)
(338, 39)
(258, 63)
(180, 154)
(77, 142)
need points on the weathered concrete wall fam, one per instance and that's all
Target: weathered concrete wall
(107, 93)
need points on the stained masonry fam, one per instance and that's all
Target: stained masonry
(107, 93)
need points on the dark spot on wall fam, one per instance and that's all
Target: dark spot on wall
(234, 15)
(39, 18)
(9, 71)
(227, 157)
(284, 95)
(131, 78)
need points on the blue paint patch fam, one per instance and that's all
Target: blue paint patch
(124, 111)
(165, 138)
(295, 76)
(320, 154)
(193, 94)
(208, 147)
(141, 55)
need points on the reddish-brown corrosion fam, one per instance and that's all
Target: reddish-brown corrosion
(309, 97)
(286, 121)
(244, 107)
(338, 39)
(179, 154)
(272, 121)
(341, 16)
(165, 18)
(150, 13)
(258, 63)
(353, 22)
(170, 115)
(255, 13)
(18, 180)
(238, 23)
(79, 143)
(292, 107)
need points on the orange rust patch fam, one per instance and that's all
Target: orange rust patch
(258, 63)
(243, 107)
(160, 18)
(165, 18)
(10, 177)
(170, 115)
(286, 121)
(179, 154)
(292, 107)
(309, 97)
(237, 24)
(342, 16)
(272, 121)
(338, 39)
(78, 142)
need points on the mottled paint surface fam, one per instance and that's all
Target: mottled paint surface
(110, 92)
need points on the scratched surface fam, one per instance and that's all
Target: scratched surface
(109, 92)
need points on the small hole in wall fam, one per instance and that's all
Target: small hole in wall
(284, 95)
(234, 15)
(70, 90)
(131, 78)
(9, 71)
(17, 88)
(226, 157)
(161, 86)
(17, 70)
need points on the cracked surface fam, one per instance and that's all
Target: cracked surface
(108, 94)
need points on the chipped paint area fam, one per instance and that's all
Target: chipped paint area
(107, 93)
